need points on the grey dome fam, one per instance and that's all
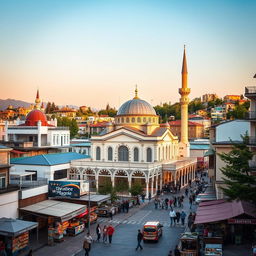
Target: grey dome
(136, 106)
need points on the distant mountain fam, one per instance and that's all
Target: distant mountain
(15, 103)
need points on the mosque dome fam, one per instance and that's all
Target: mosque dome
(34, 116)
(136, 106)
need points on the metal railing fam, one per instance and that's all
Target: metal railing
(29, 183)
(9, 188)
(251, 115)
(250, 90)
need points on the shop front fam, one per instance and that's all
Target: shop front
(60, 218)
(222, 222)
(14, 235)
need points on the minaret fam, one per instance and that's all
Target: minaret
(37, 101)
(184, 91)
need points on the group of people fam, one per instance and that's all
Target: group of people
(175, 217)
(175, 201)
(106, 233)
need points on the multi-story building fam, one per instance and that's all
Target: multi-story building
(250, 93)
(195, 129)
(218, 113)
(232, 98)
(222, 137)
(205, 121)
(209, 97)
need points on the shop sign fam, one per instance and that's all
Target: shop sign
(242, 221)
(64, 189)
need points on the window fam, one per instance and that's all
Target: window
(149, 155)
(122, 119)
(127, 119)
(98, 153)
(110, 154)
(136, 155)
(2, 180)
(149, 120)
(133, 120)
(123, 153)
(144, 119)
(138, 120)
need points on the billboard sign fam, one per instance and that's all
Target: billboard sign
(70, 189)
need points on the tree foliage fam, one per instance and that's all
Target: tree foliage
(239, 111)
(122, 186)
(71, 123)
(51, 107)
(240, 184)
(108, 111)
(106, 189)
(136, 189)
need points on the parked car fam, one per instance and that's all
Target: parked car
(152, 231)
(104, 211)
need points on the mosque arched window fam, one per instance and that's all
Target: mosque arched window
(154, 120)
(123, 153)
(136, 155)
(149, 120)
(127, 120)
(110, 154)
(122, 119)
(133, 120)
(149, 155)
(144, 120)
(138, 119)
(98, 153)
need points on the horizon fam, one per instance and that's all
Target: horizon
(94, 53)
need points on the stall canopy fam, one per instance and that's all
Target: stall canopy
(57, 209)
(218, 210)
(15, 227)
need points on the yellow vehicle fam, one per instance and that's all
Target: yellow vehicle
(152, 231)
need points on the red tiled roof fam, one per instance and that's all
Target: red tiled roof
(101, 124)
(178, 123)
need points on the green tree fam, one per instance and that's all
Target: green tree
(240, 184)
(121, 186)
(71, 123)
(106, 189)
(136, 189)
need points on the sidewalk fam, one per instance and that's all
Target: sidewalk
(73, 245)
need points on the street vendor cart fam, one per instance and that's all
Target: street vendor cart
(189, 244)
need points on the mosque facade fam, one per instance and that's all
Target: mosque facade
(136, 148)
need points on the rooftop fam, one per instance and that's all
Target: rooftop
(48, 159)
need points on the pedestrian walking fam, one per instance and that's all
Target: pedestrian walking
(183, 217)
(172, 215)
(30, 253)
(139, 239)
(175, 201)
(166, 203)
(87, 244)
(176, 251)
(111, 215)
(149, 196)
(143, 197)
(170, 253)
(178, 217)
(156, 203)
(98, 232)
(190, 202)
(110, 232)
(186, 192)
(105, 234)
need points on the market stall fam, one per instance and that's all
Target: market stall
(213, 250)
(14, 233)
(189, 244)
(61, 216)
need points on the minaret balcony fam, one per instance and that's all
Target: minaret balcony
(250, 92)
(184, 91)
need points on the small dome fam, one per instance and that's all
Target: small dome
(34, 116)
(136, 106)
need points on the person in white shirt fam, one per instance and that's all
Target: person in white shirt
(172, 215)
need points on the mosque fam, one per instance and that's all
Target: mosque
(136, 148)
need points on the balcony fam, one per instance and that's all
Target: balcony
(9, 188)
(251, 115)
(250, 92)
(252, 141)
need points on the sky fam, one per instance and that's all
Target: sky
(94, 52)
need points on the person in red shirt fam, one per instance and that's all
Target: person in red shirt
(110, 232)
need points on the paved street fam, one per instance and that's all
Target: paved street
(125, 236)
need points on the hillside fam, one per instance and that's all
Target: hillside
(15, 103)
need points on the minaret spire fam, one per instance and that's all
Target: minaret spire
(136, 92)
(184, 91)
(37, 100)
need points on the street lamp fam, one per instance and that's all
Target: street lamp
(89, 206)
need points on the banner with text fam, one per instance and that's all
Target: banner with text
(64, 189)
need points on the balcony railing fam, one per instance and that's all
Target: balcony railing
(251, 115)
(9, 188)
(29, 183)
(252, 141)
(250, 90)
